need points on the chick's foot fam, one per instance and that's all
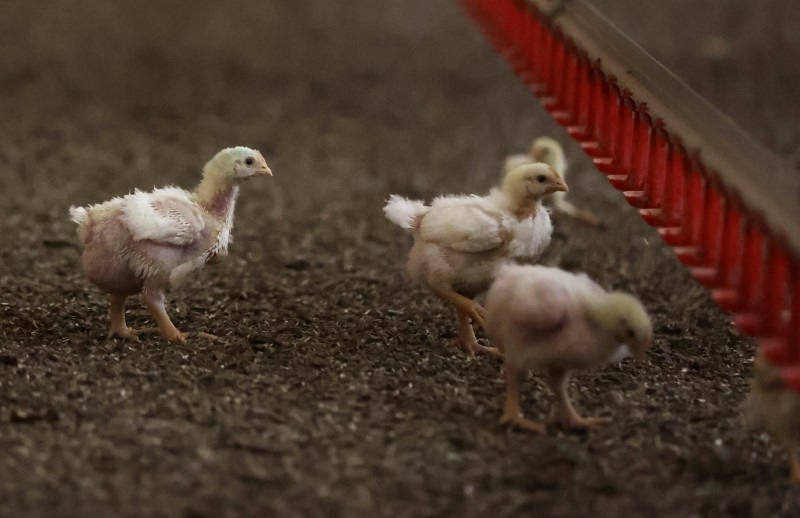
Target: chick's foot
(512, 413)
(173, 335)
(576, 422)
(521, 422)
(123, 332)
(118, 328)
(794, 466)
(466, 337)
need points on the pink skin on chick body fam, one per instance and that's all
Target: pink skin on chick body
(146, 242)
(556, 322)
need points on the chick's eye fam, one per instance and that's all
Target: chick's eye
(249, 161)
(631, 334)
(541, 178)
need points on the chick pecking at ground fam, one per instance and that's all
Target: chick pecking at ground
(459, 241)
(556, 322)
(775, 405)
(145, 242)
(550, 152)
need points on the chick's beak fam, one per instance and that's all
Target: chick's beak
(559, 185)
(264, 171)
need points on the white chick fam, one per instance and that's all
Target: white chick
(550, 152)
(774, 403)
(460, 240)
(557, 322)
(145, 242)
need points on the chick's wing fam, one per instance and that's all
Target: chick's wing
(464, 224)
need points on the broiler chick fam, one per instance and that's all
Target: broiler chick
(776, 406)
(557, 322)
(145, 242)
(550, 152)
(460, 240)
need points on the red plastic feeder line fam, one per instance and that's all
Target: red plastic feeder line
(727, 245)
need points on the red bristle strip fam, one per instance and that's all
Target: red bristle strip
(674, 186)
(691, 225)
(752, 279)
(776, 295)
(644, 139)
(530, 34)
(548, 56)
(623, 150)
(655, 181)
(556, 72)
(706, 270)
(567, 96)
(793, 330)
(583, 99)
(726, 294)
(726, 247)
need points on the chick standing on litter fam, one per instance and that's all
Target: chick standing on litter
(774, 402)
(557, 322)
(147, 241)
(460, 240)
(550, 152)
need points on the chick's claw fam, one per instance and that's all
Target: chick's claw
(491, 351)
(522, 423)
(123, 333)
(577, 422)
(173, 335)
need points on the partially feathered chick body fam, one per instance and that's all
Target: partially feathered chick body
(459, 241)
(557, 322)
(148, 241)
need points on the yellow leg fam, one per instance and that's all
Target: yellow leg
(565, 413)
(118, 328)
(512, 413)
(468, 306)
(794, 464)
(154, 301)
(584, 216)
(466, 338)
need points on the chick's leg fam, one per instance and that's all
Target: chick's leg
(512, 413)
(565, 413)
(561, 204)
(466, 337)
(154, 301)
(118, 328)
(468, 306)
(794, 464)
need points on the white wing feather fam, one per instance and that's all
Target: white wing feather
(465, 224)
(167, 216)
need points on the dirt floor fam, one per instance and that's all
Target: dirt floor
(332, 391)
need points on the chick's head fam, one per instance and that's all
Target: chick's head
(549, 151)
(236, 164)
(624, 318)
(531, 181)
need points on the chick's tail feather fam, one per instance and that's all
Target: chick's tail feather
(404, 212)
(80, 216)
